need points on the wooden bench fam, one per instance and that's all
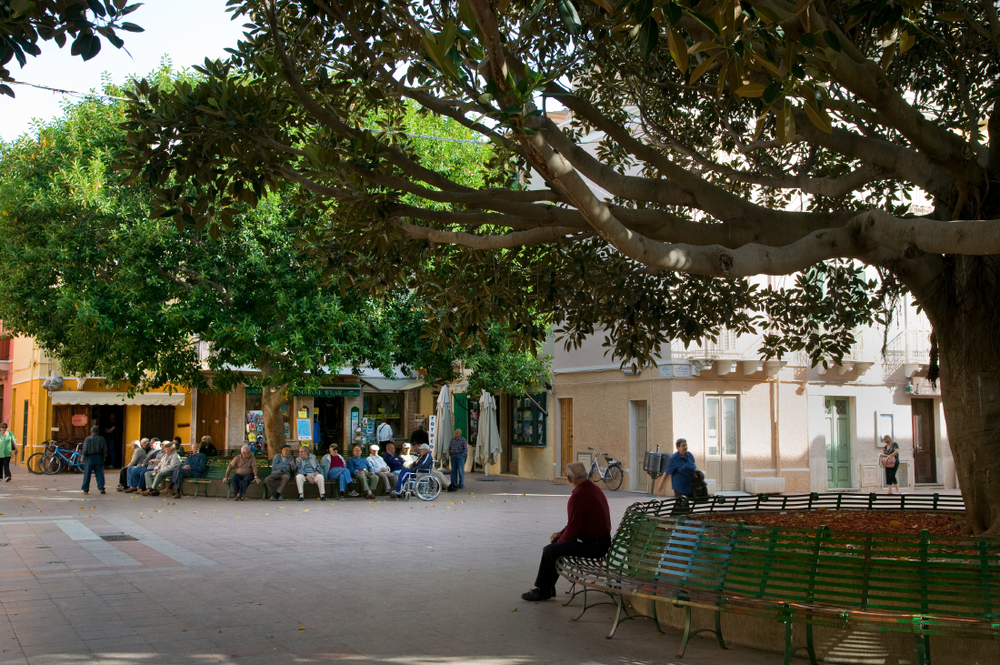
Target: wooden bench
(866, 582)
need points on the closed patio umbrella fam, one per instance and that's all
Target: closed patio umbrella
(444, 428)
(488, 446)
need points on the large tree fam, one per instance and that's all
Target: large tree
(708, 142)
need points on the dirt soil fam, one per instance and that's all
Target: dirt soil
(864, 521)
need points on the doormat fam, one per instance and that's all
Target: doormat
(489, 479)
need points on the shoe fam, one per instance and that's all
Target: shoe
(144, 492)
(537, 594)
(342, 498)
(7, 480)
(301, 498)
(129, 490)
(369, 496)
(353, 493)
(393, 495)
(103, 492)
(154, 492)
(451, 488)
(322, 497)
(274, 497)
(86, 492)
(121, 489)
(461, 487)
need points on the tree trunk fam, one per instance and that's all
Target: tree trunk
(965, 313)
(271, 401)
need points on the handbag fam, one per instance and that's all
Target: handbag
(887, 461)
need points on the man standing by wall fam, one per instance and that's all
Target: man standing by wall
(383, 434)
(458, 451)
(587, 532)
(95, 451)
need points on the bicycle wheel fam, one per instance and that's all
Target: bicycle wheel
(428, 488)
(595, 475)
(52, 465)
(613, 477)
(36, 463)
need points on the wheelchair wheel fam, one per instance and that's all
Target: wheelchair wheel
(428, 488)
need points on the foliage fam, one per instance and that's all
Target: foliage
(25, 23)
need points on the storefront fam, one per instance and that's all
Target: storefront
(317, 418)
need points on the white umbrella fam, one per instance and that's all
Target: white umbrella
(488, 442)
(444, 428)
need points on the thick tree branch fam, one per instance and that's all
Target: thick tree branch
(513, 240)
(919, 235)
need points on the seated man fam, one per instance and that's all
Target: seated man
(135, 479)
(164, 469)
(424, 463)
(360, 471)
(380, 468)
(207, 447)
(139, 451)
(407, 457)
(244, 468)
(282, 468)
(193, 467)
(587, 532)
(307, 468)
(394, 461)
(336, 470)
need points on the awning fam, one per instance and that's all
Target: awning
(392, 385)
(97, 397)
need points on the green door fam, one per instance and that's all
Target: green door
(838, 443)
(462, 414)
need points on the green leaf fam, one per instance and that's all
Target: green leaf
(642, 10)
(570, 17)
(87, 46)
(21, 7)
(673, 12)
(832, 40)
(951, 17)
(678, 50)
(751, 90)
(703, 67)
(132, 27)
(649, 35)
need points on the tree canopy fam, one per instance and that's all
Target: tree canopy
(706, 143)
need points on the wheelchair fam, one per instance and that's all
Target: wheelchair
(423, 484)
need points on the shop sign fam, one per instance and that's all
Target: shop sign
(80, 420)
(346, 391)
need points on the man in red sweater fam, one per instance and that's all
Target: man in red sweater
(587, 532)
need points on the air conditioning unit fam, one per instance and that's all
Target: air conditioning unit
(764, 485)
(902, 475)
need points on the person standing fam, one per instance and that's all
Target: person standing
(111, 437)
(95, 451)
(420, 437)
(8, 446)
(458, 451)
(890, 461)
(383, 434)
(681, 468)
(587, 532)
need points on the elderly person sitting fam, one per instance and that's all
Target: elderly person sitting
(380, 468)
(309, 469)
(424, 463)
(165, 466)
(193, 467)
(360, 471)
(282, 468)
(139, 451)
(135, 479)
(244, 468)
(335, 469)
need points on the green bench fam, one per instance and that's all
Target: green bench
(853, 581)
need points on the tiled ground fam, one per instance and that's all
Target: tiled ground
(215, 581)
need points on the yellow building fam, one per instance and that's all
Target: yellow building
(66, 414)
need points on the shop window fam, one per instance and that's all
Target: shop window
(528, 420)
(385, 405)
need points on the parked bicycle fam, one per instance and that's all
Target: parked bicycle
(56, 459)
(612, 473)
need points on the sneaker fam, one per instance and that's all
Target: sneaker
(154, 492)
(322, 497)
(342, 498)
(353, 493)
(274, 497)
(451, 488)
(301, 498)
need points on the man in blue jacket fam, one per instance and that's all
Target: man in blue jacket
(681, 468)
(193, 467)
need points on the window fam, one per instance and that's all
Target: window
(385, 405)
(527, 420)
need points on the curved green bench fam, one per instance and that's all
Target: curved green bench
(869, 582)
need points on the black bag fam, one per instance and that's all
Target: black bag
(700, 489)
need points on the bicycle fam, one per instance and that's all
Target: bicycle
(612, 474)
(58, 460)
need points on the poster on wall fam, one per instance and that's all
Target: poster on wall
(304, 429)
(355, 422)
(432, 430)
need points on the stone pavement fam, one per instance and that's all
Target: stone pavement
(119, 579)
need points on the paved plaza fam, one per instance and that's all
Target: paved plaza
(119, 579)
